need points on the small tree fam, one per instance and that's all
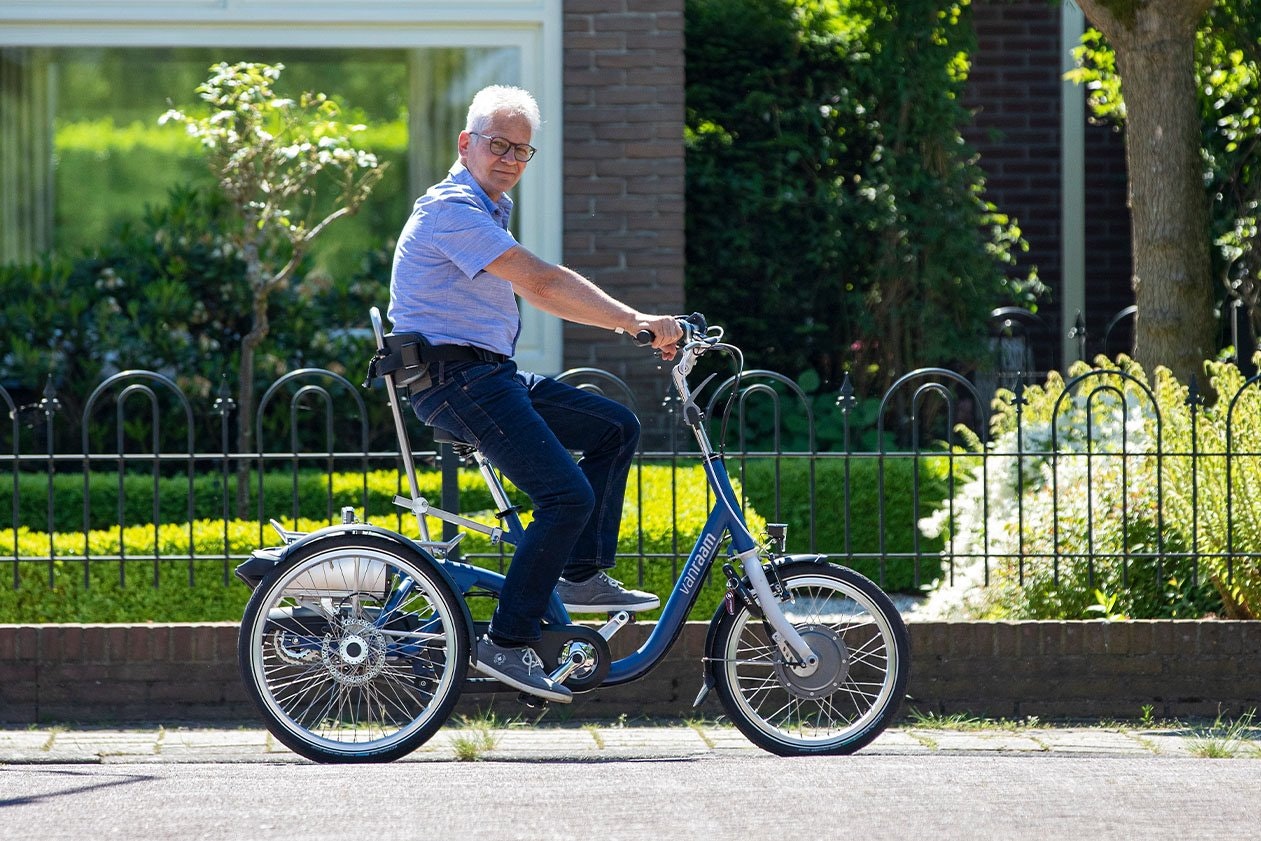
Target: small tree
(288, 169)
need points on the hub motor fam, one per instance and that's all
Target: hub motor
(824, 677)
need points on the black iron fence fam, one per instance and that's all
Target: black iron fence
(1105, 484)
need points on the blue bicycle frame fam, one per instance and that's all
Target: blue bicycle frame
(724, 518)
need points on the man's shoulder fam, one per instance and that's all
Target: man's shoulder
(450, 192)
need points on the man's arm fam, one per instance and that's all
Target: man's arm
(567, 294)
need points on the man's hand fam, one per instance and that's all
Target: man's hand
(665, 330)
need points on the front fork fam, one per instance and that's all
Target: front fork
(763, 603)
(785, 636)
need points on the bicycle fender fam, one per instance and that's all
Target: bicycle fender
(444, 570)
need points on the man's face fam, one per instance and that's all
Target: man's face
(496, 174)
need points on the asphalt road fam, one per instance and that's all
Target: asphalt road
(710, 795)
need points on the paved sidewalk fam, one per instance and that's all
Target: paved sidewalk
(599, 741)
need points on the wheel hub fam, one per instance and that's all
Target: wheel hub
(356, 655)
(824, 677)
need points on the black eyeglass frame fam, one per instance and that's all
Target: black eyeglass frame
(518, 149)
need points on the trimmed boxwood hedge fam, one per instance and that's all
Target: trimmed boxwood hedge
(319, 495)
(656, 536)
(901, 535)
(673, 511)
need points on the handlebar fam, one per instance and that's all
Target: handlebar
(692, 326)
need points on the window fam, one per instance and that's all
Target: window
(81, 149)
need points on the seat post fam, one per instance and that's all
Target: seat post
(400, 427)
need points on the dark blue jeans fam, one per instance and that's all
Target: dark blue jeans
(528, 425)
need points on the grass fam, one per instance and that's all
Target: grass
(1226, 739)
(964, 722)
(594, 731)
(699, 725)
(476, 736)
(472, 745)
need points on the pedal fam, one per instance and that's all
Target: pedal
(534, 702)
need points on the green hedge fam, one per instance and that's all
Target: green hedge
(318, 494)
(673, 512)
(900, 530)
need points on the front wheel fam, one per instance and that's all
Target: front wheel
(836, 706)
(354, 649)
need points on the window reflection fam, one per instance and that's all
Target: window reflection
(81, 150)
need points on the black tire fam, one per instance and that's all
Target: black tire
(853, 694)
(354, 649)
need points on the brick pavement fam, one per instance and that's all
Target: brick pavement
(596, 741)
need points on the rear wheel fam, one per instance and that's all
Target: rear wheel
(354, 650)
(846, 699)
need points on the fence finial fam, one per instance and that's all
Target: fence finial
(50, 405)
(845, 400)
(1194, 398)
(223, 403)
(1079, 333)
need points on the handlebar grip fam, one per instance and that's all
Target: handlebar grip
(692, 325)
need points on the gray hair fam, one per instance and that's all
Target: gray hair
(502, 99)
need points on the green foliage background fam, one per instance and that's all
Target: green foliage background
(835, 216)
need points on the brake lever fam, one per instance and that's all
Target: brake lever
(692, 413)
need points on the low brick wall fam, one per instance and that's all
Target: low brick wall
(188, 672)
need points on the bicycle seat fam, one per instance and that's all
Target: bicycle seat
(441, 436)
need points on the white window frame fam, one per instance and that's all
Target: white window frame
(534, 27)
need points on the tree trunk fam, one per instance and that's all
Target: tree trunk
(1154, 43)
(245, 399)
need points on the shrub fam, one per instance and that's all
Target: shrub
(1062, 518)
(910, 561)
(177, 589)
(834, 212)
(1218, 513)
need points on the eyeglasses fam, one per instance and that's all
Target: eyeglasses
(498, 146)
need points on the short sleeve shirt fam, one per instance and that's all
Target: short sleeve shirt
(439, 285)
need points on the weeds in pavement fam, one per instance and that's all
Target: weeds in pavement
(477, 734)
(962, 721)
(594, 730)
(1225, 739)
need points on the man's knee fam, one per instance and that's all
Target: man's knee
(626, 424)
(573, 505)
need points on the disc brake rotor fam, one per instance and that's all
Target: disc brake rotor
(356, 655)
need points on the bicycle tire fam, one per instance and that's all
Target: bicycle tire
(852, 695)
(354, 649)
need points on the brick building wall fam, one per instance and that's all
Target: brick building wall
(624, 178)
(1014, 90)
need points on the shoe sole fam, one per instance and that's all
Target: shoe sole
(634, 607)
(559, 698)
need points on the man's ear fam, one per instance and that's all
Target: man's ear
(462, 145)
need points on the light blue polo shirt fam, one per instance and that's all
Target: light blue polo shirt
(439, 285)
